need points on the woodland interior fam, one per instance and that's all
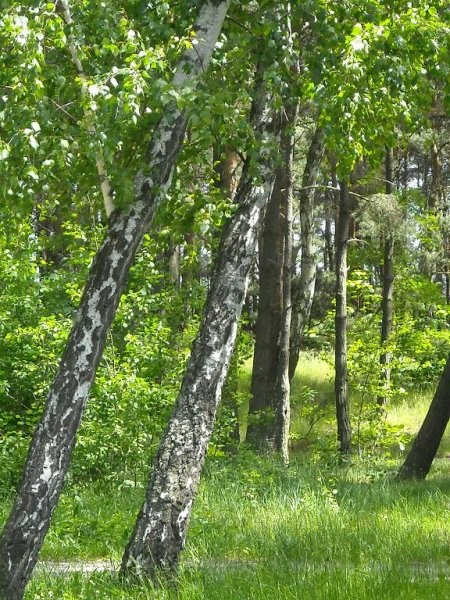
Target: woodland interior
(225, 299)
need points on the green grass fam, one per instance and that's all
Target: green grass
(317, 530)
(259, 531)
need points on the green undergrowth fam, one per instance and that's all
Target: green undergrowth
(261, 531)
(313, 421)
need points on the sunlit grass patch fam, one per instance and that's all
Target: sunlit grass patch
(411, 412)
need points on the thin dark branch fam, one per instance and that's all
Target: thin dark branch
(61, 108)
(328, 187)
(242, 26)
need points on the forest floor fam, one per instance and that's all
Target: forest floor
(318, 530)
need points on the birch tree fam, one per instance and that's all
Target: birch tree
(161, 526)
(54, 439)
(303, 286)
(283, 383)
(387, 303)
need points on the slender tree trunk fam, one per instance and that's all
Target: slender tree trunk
(330, 212)
(226, 165)
(303, 287)
(174, 264)
(435, 195)
(341, 390)
(105, 184)
(160, 530)
(328, 254)
(335, 205)
(267, 326)
(283, 383)
(438, 205)
(53, 442)
(447, 284)
(387, 302)
(422, 453)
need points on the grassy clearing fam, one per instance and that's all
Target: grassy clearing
(318, 530)
(313, 393)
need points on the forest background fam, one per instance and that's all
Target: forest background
(351, 150)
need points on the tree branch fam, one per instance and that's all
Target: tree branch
(62, 6)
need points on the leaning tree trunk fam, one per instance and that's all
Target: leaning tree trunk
(267, 326)
(387, 302)
(283, 382)
(340, 353)
(53, 442)
(420, 457)
(303, 287)
(160, 530)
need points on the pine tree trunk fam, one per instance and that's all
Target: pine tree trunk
(303, 287)
(426, 444)
(387, 302)
(447, 283)
(341, 389)
(435, 195)
(328, 259)
(267, 326)
(53, 442)
(160, 530)
(283, 382)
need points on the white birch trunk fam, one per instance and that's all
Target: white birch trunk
(283, 382)
(387, 297)
(160, 530)
(304, 286)
(340, 350)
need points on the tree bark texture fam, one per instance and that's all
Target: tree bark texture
(160, 530)
(426, 444)
(340, 352)
(226, 165)
(328, 250)
(283, 382)
(54, 439)
(303, 287)
(438, 204)
(387, 301)
(435, 195)
(267, 326)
